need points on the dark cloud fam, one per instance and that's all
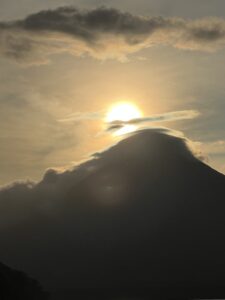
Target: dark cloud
(104, 33)
(145, 211)
(114, 127)
(88, 25)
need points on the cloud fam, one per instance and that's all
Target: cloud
(82, 116)
(214, 147)
(118, 124)
(166, 117)
(103, 33)
(110, 219)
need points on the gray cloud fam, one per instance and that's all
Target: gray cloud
(103, 33)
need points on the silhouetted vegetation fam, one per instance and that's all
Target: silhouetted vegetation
(17, 285)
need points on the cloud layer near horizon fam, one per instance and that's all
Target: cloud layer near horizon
(103, 33)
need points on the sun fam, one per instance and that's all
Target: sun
(123, 112)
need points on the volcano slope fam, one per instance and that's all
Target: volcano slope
(144, 217)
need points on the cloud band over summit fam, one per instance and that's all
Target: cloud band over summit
(103, 33)
(117, 124)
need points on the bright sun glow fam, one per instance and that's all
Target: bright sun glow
(123, 112)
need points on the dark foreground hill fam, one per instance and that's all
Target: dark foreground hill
(145, 217)
(16, 285)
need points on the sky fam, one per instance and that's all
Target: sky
(161, 55)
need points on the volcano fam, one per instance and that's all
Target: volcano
(143, 218)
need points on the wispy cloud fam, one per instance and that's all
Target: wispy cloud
(165, 117)
(103, 33)
(82, 116)
(118, 124)
(170, 116)
(215, 147)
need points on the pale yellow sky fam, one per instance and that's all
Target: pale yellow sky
(159, 79)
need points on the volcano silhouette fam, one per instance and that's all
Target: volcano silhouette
(145, 217)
